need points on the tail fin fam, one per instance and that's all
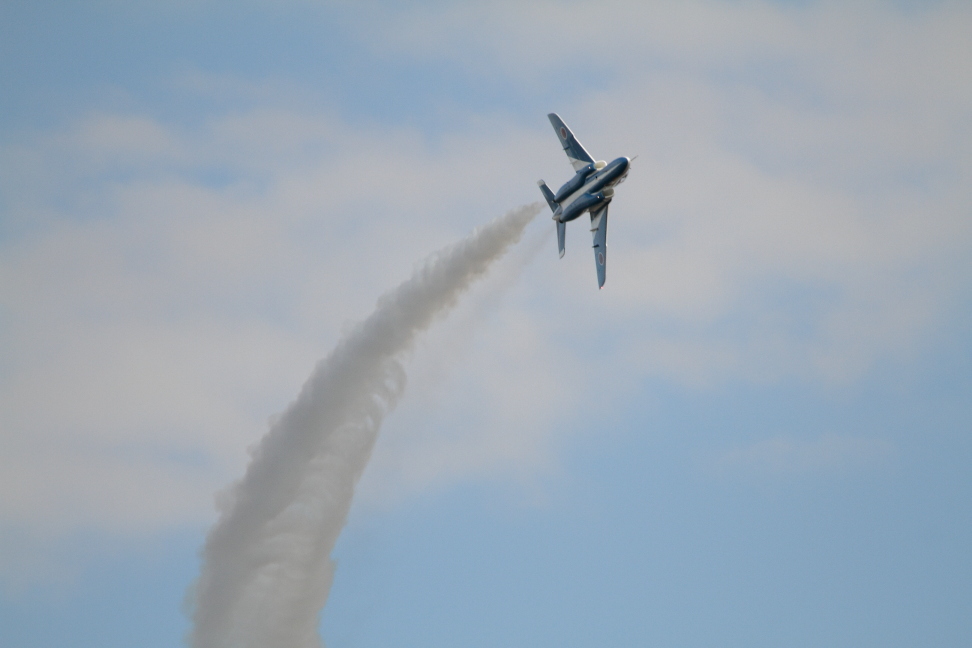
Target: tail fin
(548, 195)
(561, 227)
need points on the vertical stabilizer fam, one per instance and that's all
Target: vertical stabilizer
(548, 195)
(561, 236)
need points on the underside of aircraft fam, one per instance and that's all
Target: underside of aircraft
(590, 190)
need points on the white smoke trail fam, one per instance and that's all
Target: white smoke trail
(266, 567)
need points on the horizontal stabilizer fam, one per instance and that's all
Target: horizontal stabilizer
(548, 195)
(561, 237)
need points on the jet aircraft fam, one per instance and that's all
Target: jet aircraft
(590, 190)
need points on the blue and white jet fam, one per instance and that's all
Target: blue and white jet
(590, 190)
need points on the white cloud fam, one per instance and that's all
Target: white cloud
(799, 208)
(153, 320)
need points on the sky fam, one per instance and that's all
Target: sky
(758, 434)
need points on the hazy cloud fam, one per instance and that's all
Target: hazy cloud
(799, 210)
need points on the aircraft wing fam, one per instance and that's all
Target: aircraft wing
(599, 230)
(579, 158)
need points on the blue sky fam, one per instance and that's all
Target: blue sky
(758, 434)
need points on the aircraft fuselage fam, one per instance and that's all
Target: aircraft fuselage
(589, 189)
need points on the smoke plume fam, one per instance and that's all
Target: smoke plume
(266, 568)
